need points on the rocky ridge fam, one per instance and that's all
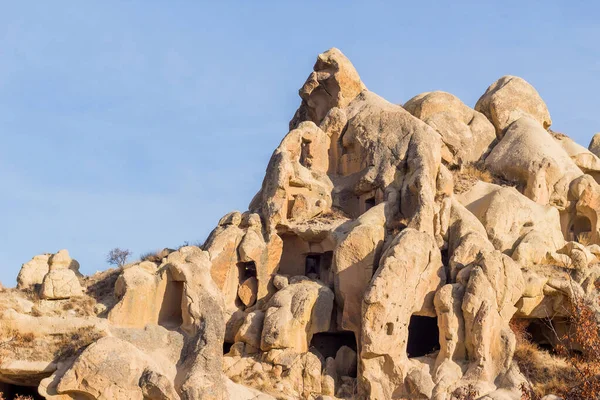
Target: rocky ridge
(384, 257)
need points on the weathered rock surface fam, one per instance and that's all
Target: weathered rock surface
(510, 98)
(386, 255)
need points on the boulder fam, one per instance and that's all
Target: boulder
(251, 330)
(466, 134)
(295, 313)
(61, 281)
(528, 155)
(247, 291)
(32, 272)
(510, 98)
(112, 368)
(345, 361)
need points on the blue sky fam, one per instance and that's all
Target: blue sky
(140, 123)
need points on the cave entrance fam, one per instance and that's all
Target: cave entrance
(328, 343)
(545, 332)
(581, 228)
(423, 336)
(247, 270)
(14, 391)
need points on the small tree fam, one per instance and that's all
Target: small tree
(118, 256)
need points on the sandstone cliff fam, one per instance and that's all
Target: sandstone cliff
(384, 257)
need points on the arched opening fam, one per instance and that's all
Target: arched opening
(423, 336)
(581, 229)
(10, 392)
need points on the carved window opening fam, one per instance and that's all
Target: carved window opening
(312, 266)
(305, 158)
(247, 270)
(423, 336)
(290, 207)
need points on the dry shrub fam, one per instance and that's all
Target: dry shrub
(157, 256)
(574, 372)
(152, 256)
(547, 373)
(585, 337)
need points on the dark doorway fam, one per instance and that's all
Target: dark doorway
(305, 159)
(313, 265)
(369, 203)
(246, 270)
(423, 336)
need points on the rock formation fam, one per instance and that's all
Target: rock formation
(384, 256)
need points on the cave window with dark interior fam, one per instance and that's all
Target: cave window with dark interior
(247, 270)
(305, 160)
(313, 265)
(328, 343)
(369, 203)
(423, 336)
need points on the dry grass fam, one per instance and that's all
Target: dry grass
(585, 238)
(467, 175)
(547, 373)
(70, 345)
(28, 346)
(80, 305)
